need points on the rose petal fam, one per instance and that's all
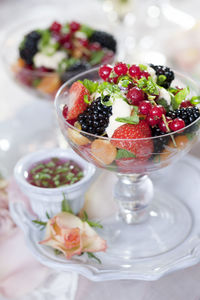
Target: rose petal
(92, 242)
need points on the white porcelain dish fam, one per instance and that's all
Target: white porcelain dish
(48, 200)
(184, 174)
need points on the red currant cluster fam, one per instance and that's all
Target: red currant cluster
(155, 115)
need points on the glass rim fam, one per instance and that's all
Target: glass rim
(73, 79)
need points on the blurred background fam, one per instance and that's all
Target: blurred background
(153, 31)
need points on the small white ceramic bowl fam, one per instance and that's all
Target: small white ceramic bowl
(48, 200)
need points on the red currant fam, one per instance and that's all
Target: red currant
(95, 46)
(186, 103)
(144, 74)
(162, 126)
(56, 27)
(144, 107)
(74, 26)
(134, 71)
(155, 112)
(65, 111)
(162, 109)
(65, 38)
(121, 69)
(177, 124)
(68, 45)
(151, 121)
(84, 42)
(104, 72)
(113, 80)
(135, 95)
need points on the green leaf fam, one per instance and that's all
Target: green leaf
(161, 79)
(112, 74)
(57, 252)
(65, 205)
(195, 100)
(87, 30)
(91, 255)
(164, 103)
(66, 63)
(65, 28)
(122, 153)
(86, 99)
(22, 44)
(91, 223)
(35, 82)
(125, 81)
(142, 67)
(96, 57)
(40, 224)
(90, 85)
(48, 216)
(179, 97)
(149, 86)
(130, 120)
(107, 102)
(173, 90)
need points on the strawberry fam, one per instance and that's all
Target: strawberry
(77, 104)
(140, 147)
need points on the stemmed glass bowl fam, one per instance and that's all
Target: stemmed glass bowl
(149, 221)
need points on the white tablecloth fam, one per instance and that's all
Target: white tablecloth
(23, 129)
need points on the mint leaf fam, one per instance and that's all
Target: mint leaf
(142, 67)
(87, 30)
(164, 103)
(122, 153)
(148, 85)
(90, 85)
(195, 100)
(173, 90)
(130, 120)
(112, 74)
(91, 255)
(66, 63)
(124, 81)
(86, 100)
(179, 97)
(65, 205)
(96, 57)
(41, 224)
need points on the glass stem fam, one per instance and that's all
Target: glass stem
(134, 194)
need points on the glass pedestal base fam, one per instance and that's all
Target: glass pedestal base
(168, 224)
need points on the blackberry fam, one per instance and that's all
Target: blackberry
(187, 114)
(159, 142)
(95, 118)
(29, 47)
(167, 72)
(104, 39)
(75, 69)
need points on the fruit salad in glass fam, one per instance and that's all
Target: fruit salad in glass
(48, 57)
(134, 120)
(130, 118)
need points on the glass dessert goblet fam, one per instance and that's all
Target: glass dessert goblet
(149, 221)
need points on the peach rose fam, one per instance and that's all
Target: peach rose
(69, 234)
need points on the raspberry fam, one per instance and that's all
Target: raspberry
(162, 126)
(121, 69)
(135, 95)
(144, 74)
(156, 112)
(104, 72)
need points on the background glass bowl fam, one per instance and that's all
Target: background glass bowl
(161, 221)
(27, 78)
